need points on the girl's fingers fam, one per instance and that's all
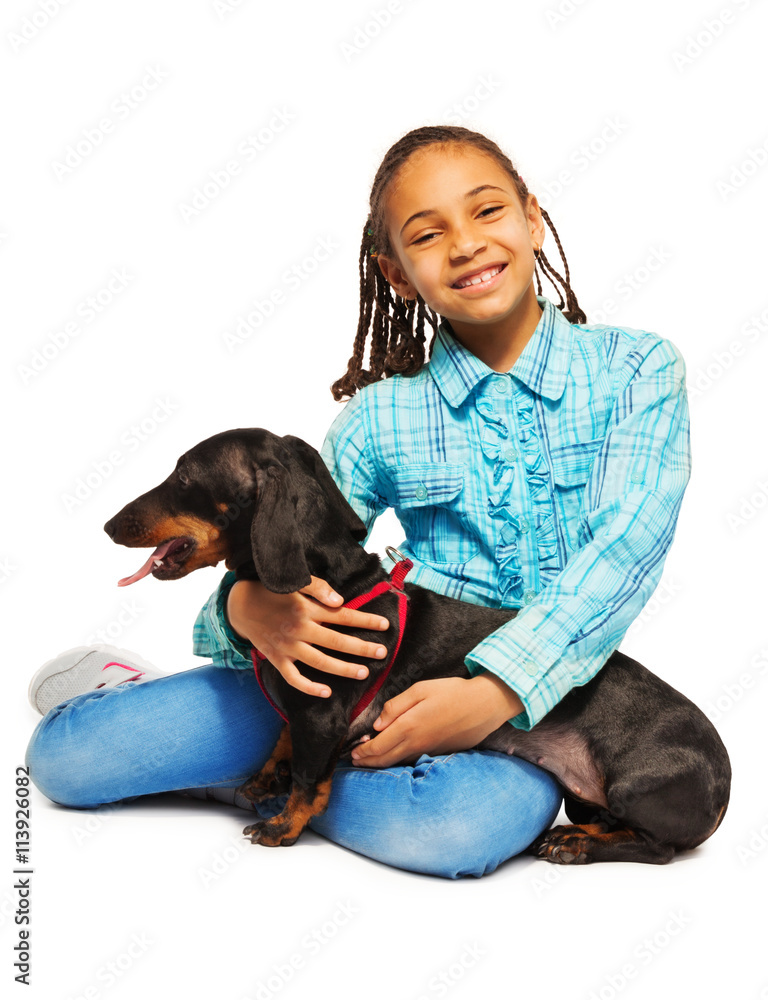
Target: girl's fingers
(356, 619)
(316, 658)
(333, 611)
(329, 638)
(293, 676)
(322, 592)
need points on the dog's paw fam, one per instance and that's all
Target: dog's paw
(270, 833)
(269, 786)
(563, 845)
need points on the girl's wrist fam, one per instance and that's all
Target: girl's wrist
(503, 703)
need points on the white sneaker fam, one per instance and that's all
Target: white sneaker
(85, 668)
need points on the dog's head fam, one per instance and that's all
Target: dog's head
(267, 505)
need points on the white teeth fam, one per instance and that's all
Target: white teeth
(158, 562)
(478, 278)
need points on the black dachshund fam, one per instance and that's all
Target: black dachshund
(643, 770)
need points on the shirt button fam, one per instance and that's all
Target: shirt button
(637, 480)
(524, 526)
(501, 385)
(421, 492)
(530, 669)
(510, 454)
(528, 596)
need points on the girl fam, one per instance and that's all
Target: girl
(534, 462)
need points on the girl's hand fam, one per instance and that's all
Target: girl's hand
(438, 716)
(286, 628)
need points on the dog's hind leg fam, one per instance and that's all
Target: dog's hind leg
(275, 777)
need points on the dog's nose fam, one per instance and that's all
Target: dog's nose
(110, 527)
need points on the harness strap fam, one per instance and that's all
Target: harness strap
(394, 583)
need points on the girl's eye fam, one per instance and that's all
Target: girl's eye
(493, 208)
(423, 239)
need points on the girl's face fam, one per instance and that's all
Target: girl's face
(462, 239)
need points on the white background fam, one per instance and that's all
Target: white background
(653, 112)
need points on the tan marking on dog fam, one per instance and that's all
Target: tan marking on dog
(298, 811)
(210, 549)
(718, 821)
(283, 751)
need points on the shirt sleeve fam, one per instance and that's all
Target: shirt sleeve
(627, 521)
(344, 453)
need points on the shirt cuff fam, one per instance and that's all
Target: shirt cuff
(525, 664)
(212, 634)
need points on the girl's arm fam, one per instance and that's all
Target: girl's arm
(628, 517)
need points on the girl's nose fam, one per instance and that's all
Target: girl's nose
(466, 244)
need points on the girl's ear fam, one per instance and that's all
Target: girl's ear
(535, 220)
(396, 277)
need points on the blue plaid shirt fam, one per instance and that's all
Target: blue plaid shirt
(553, 488)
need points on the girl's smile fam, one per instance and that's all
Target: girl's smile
(463, 241)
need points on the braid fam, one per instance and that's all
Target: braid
(396, 327)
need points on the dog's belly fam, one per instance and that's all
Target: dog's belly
(558, 749)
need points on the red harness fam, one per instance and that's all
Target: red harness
(394, 583)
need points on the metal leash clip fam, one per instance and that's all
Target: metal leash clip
(394, 554)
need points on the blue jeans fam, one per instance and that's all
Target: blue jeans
(211, 727)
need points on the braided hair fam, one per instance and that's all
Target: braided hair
(396, 325)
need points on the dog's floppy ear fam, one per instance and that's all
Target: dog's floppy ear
(276, 540)
(317, 467)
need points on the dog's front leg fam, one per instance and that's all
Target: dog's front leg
(275, 777)
(314, 758)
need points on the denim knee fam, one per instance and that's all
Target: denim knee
(57, 770)
(451, 816)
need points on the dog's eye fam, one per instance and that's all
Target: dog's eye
(183, 480)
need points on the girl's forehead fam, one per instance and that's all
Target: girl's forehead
(438, 175)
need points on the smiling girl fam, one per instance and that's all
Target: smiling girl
(533, 461)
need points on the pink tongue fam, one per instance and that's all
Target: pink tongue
(148, 566)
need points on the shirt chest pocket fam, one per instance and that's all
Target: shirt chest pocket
(430, 502)
(571, 469)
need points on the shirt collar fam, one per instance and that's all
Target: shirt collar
(543, 365)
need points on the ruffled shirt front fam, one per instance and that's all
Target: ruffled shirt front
(553, 488)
